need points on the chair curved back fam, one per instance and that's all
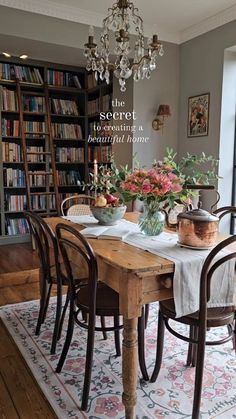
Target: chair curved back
(221, 212)
(43, 236)
(75, 242)
(213, 261)
(81, 205)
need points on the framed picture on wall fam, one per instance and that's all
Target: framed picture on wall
(198, 115)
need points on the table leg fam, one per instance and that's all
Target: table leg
(130, 367)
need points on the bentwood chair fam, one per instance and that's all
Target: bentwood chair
(94, 298)
(51, 272)
(198, 322)
(80, 205)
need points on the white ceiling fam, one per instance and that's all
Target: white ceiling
(174, 20)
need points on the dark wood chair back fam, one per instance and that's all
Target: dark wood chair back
(45, 240)
(69, 240)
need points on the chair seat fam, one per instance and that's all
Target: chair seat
(216, 317)
(107, 301)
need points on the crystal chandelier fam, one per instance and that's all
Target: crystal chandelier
(121, 16)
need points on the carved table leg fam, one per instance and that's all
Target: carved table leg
(130, 367)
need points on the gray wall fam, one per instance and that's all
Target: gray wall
(162, 88)
(201, 71)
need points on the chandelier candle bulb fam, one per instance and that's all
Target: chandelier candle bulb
(91, 31)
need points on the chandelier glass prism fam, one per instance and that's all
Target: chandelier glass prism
(122, 17)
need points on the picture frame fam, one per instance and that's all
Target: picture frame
(198, 115)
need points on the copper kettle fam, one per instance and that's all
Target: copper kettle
(197, 228)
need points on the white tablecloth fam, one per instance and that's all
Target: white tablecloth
(188, 265)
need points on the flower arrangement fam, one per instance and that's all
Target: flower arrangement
(158, 185)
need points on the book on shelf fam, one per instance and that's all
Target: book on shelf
(9, 99)
(13, 177)
(17, 226)
(11, 152)
(39, 202)
(93, 106)
(34, 128)
(100, 131)
(22, 73)
(10, 128)
(33, 103)
(15, 202)
(35, 158)
(69, 154)
(67, 131)
(106, 153)
(117, 232)
(68, 178)
(63, 79)
(107, 103)
(39, 180)
(92, 82)
(93, 154)
(64, 107)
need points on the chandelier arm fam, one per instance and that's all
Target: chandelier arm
(145, 57)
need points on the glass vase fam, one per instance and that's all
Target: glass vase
(152, 221)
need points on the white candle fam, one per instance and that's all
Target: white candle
(91, 31)
(95, 171)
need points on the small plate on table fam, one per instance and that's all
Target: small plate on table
(194, 247)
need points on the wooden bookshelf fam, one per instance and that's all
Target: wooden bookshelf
(63, 160)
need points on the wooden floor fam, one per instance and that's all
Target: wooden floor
(20, 395)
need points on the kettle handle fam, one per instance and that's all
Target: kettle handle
(217, 200)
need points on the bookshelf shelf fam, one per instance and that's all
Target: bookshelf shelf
(46, 168)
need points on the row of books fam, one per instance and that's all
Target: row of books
(63, 107)
(92, 82)
(33, 103)
(106, 153)
(93, 106)
(15, 202)
(68, 131)
(69, 154)
(101, 154)
(40, 180)
(13, 177)
(10, 128)
(17, 226)
(35, 128)
(106, 103)
(97, 129)
(63, 78)
(22, 73)
(9, 99)
(11, 152)
(40, 202)
(67, 178)
(93, 154)
(35, 158)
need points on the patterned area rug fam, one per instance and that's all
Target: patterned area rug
(170, 397)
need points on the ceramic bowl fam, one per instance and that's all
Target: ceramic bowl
(108, 216)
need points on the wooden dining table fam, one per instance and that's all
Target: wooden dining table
(139, 278)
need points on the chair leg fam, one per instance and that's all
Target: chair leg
(89, 360)
(160, 344)
(57, 319)
(63, 315)
(117, 335)
(69, 334)
(43, 299)
(103, 324)
(190, 348)
(146, 314)
(47, 302)
(199, 373)
(141, 344)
